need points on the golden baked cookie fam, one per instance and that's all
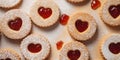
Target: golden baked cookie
(110, 12)
(9, 54)
(35, 47)
(110, 47)
(75, 1)
(9, 3)
(74, 51)
(82, 26)
(44, 13)
(15, 24)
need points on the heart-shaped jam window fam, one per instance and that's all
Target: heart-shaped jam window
(34, 48)
(6, 59)
(114, 48)
(15, 24)
(73, 55)
(45, 12)
(81, 25)
(114, 11)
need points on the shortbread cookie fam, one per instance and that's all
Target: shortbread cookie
(75, 1)
(82, 26)
(9, 54)
(74, 51)
(44, 13)
(15, 24)
(110, 47)
(35, 47)
(110, 12)
(9, 3)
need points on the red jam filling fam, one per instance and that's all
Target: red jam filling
(6, 59)
(34, 48)
(95, 4)
(64, 19)
(114, 48)
(114, 11)
(73, 55)
(45, 12)
(81, 26)
(59, 44)
(15, 24)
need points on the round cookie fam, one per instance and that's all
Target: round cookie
(75, 1)
(82, 26)
(110, 47)
(74, 51)
(35, 47)
(9, 3)
(9, 54)
(110, 12)
(44, 13)
(15, 24)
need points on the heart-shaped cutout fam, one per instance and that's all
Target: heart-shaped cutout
(114, 48)
(34, 48)
(73, 55)
(15, 24)
(114, 11)
(45, 12)
(81, 25)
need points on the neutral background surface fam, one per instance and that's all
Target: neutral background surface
(59, 32)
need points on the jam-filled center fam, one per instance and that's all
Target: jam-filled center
(95, 4)
(15, 24)
(114, 48)
(6, 59)
(81, 25)
(64, 19)
(45, 12)
(114, 11)
(73, 55)
(34, 48)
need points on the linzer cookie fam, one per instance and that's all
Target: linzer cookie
(74, 51)
(9, 3)
(110, 12)
(15, 24)
(82, 26)
(9, 54)
(35, 47)
(75, 1)
(110, 47)
(44, 13)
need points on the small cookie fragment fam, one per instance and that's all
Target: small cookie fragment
(110, 47)
(44, 13)
(75, 1)
(15, 24)
(35, 47)
(74, 51)
(9, 3)
(9, 54)
(82, 26)
(110, 12)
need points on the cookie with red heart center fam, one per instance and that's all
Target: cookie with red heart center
(15, 24)
(44, 13)
(35, 47)
(9, 3)
(110, 47)
(74, 51)
(110, 12)
(9, 54)
(82, 26)
(75, 1)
